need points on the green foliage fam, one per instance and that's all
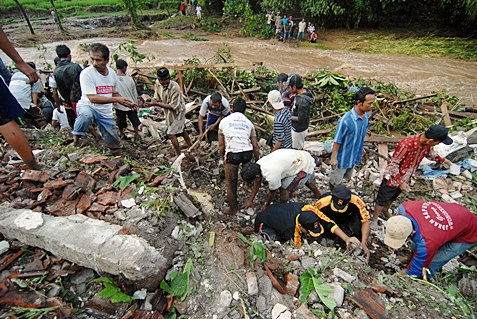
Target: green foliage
(199, 76)
(257, 249)
(112, 291)
(191, 36)
(247, 78)
(310, 280)
(179, 286)
(29, 313)
(130, 48)
(124, 181)
(211, 25)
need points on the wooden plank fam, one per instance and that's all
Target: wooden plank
(319, 132)
(383, 151)
(184, 67)
(414, 99)
(445, 112)
(251, 90)
(383, 139)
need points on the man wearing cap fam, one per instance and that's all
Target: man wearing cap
(348, 142)
(348, 211)
(284, 169)
(282, 123)
(287, 95)
(216, 107)
(439, 232)
(168, 95)
(283, 222)
(404, 162)
(300, 110)
(237, 145)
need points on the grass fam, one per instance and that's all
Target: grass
(426, 45)
(316, 45)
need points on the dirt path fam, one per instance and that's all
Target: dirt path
(419, 74)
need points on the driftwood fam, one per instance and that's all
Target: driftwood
(319, 132)
(251, 90)
(414, 99)
(183, 67)
(225, 92)
(326, 117)
(259, 109)
(382, 139)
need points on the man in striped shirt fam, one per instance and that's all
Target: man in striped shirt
(282, 124)
(349, 137)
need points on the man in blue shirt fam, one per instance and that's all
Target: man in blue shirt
(349, 137)
(216, 107)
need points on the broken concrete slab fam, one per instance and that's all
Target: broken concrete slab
(186, 206)
(87, 242)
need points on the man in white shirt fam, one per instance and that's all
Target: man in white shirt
(60, 118)
(237, 144)
(98, 93)
(284, 169)
(301, 29)
(216, 107)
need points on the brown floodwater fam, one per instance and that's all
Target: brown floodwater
(421, 75)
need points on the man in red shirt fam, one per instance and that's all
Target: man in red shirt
(439, 232)
(404, 162)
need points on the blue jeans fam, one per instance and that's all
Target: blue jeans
(107, 126)
(300, 35)
(446, 253)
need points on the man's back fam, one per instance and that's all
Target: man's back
(21, 90)
(237, 130)
(67, 79)
(127, 88)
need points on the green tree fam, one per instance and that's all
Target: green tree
(131, 6)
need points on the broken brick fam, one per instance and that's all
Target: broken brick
(370, 302)
(86, 181)
(71, 191)
(274, 280)
(57, 183)
(126, 193)
(157, 181)
(292, 283)
(123, 170)
(83, 204)
(27, 185)
(35, 176)
(62, 207)
(95, 207)
(304, 313)
(45, 193)
(8, 258)
(292, 257)
(108, 164)
(104, 308)
(378, 287)
(108, 198)
(92, 159)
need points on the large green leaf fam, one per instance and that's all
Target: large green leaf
(306, 286)
(323, 290)
(124, 181)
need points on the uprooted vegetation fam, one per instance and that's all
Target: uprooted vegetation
(215, 257)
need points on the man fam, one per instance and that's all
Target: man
(313, 37)
(98, 93)
(284, 169)
(439, 232)
(127, 88)
(300, 110)
(59, 118)
(301, 29)
(27, 95)
(168, 95)
(198, 10)
(237, 144)
(348, 211)
(282, 123)
(287, 95)
(349, 137)
(288, 25)
(273, 18)
(283, 222)
(10, 109)
(404, 162)
(216, 107)
(279, 27)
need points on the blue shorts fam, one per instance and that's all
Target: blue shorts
(298, 181)
(10, 109)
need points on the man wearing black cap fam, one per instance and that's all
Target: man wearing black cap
(283, 222)
(348, 211)
(168, 95)
(300, 110)
(404, 162)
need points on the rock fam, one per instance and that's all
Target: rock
(467, 174)
(455, 169)
(73, 157)
(456, 195)
(304, 313)
(343, 275)
(236, 295)
(448, 198)
(4, 246)
(261, 304)
(82, 276)
(439, 183)
(307, 262)
(54, 290)
(280, 311)
(338, 293)
(292, 284)
(265, 285)
(252, 284)
(360, 314)
(225, 298)
(312, 297)
(468, 287)
(140, 294)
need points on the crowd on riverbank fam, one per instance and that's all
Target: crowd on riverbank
(285, 28)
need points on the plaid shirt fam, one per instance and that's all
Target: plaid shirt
(406, 158)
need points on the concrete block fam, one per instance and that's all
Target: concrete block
(455, 169)
(343, 275)
(338, 293)
(252, 283)
(467, 174)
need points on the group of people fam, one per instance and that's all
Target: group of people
(439, 231)
(284, 28)
(198, 8)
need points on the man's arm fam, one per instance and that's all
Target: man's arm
(256, 186)
(271, 194)
(365, 228)
(9, 50)
(222, 145)
(334, 155)
(256, 148)
(348, 240)
(116, 98)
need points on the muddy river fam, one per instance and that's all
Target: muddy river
(420, 74)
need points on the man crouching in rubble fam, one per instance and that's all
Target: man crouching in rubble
(284, 169)
(98, 93)
(282, 222)
(348, 211)
(439, 232)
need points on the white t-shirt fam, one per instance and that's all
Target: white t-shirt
(60, 117)
(21, 90)
(301, 26)
(217, 112)
(127, 88)
(93, 82)
(236, 129)
(284, 163)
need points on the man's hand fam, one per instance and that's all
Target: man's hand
(334, 163)
(28, 71)
(403, 272)
(446, 164)
(248, 204)
(264, 207)
(366, 252)
(124, 101)
(405, 187)
(352, 243)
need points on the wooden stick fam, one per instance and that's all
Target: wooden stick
(414, 99)
(198, 140)
(226, 93)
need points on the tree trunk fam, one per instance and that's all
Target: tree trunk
(58, 20)
(131, 6)
(25, 15)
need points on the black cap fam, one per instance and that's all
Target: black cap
(295, 80)
(439, 133)
(341, 196)
(310, 221)
(163, 74)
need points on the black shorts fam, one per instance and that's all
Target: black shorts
(10, 109)
(386, 193)
(121, 118)
(239, 158)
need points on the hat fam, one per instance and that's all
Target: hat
(398, 228)
(163, 74)
(341, 195)
(294, 80)
(310, 221)
(439, 133)
(275, 99)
